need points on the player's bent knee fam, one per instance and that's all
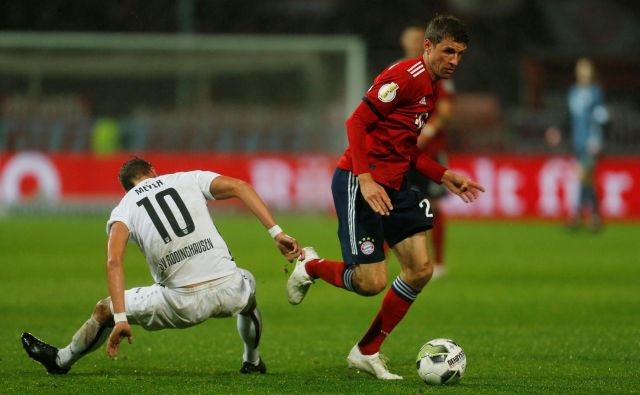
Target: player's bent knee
(371, 287)
(419, 277)
(251, 305)
(102, 311)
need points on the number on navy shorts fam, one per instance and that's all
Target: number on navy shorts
(427, 207)
(175, 226)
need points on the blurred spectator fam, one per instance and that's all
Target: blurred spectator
(412, 41)
(588, 114)
(105, 137)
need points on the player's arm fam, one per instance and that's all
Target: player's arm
(467, 189)
(363, 119)
(116, 246)
(228, 187)
(390, 90)
(462, 186)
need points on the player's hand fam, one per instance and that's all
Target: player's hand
(289, 247)
(374, 194)
(120, 331)
(467, 189)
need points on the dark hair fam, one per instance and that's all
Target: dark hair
(132, 169)
(446, 26)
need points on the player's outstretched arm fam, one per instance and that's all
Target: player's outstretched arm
(118, 236)
(228, 187)
(462, 186)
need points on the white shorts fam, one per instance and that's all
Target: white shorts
(157, 307)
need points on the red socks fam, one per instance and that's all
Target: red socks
(394, 307)
(329, 271)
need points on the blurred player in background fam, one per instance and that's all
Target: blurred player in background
(588, 114)
(433, 142)
(373, 200)
(196, 276)
(412, 41)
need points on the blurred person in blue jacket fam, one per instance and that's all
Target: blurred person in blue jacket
(588, 114)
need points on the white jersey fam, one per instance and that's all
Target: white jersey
(167, 217)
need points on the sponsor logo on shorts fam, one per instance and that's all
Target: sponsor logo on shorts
(366, 245)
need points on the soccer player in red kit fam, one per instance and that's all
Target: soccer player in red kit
(373, 200)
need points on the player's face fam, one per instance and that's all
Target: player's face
(584, 71)
(443, 58)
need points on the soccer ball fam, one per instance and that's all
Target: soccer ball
(441, 361)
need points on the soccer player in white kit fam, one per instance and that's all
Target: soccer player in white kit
(195, 276)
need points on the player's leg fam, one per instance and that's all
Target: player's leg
(590, 200)
(415, 273)
(311, 268)
(405, 231)
(91, 335)
(595, 220)
(371, 279)
(249, 323)
(145, 306)
(435, 193)
(361, 240)
(581, 196)
(88, 338)
(437, 236)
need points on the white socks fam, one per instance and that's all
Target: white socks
(89, 337)
(92, 335)
(250, 329)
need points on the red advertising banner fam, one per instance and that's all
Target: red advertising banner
(517, 186)
(284, 181)
(544, 186)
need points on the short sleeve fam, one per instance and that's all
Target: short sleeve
(118, 215)
(390, 89)
(204, 180)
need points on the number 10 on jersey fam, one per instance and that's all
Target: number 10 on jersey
(161, 198)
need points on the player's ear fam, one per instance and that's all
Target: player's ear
(427, 44)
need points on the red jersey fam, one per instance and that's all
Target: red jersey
(383, 130)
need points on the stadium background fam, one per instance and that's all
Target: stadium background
(260, 91)
(220, 77)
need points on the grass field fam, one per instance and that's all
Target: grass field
(537, 310)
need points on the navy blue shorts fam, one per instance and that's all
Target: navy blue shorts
(362, 232)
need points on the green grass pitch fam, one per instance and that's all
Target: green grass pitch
(536, 308)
